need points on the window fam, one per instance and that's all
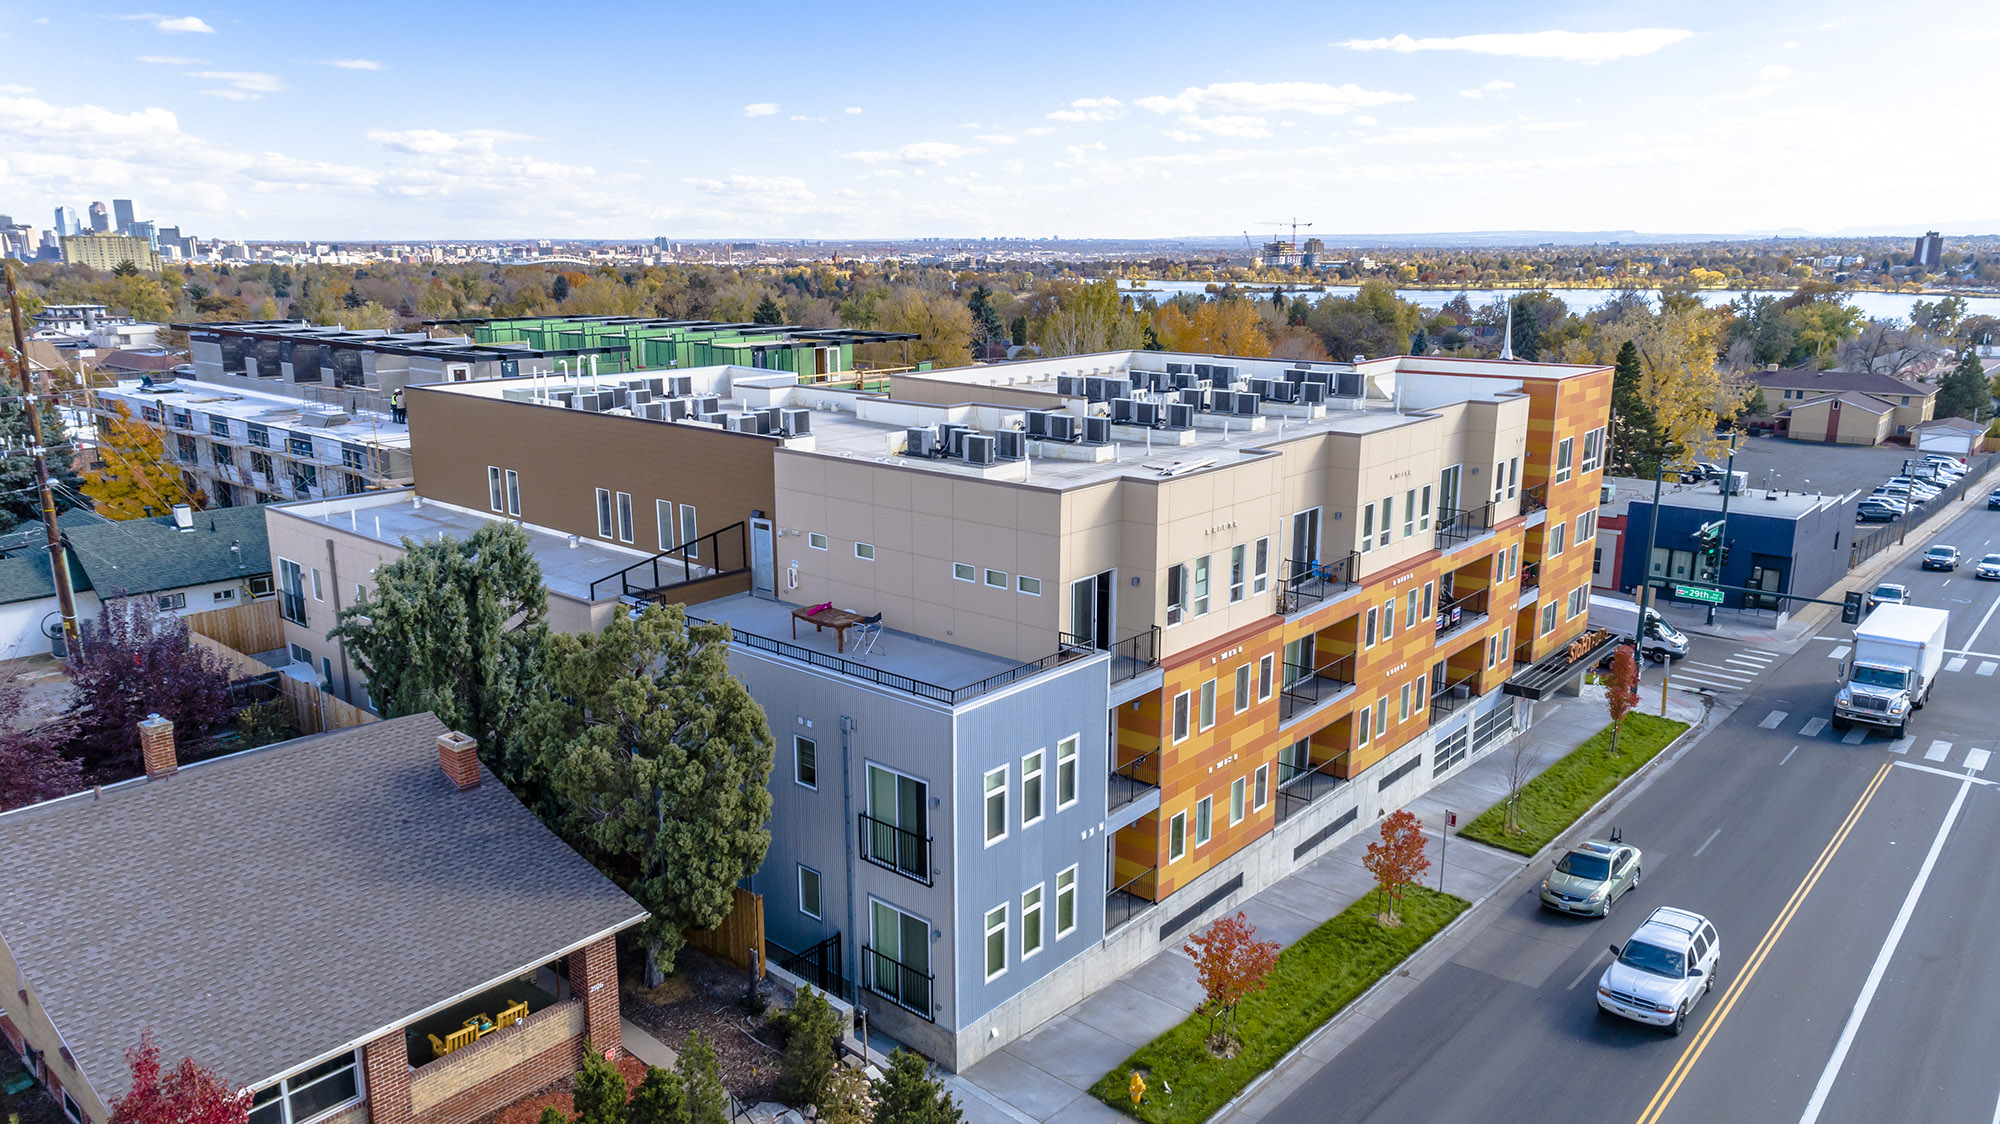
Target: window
(996, 805)
(1238, 796)
(996, 942)
(291, 591)
(223, 456)
(1065, 903)
(1239, 558)
(689, 532)
(1066, 772)
(1424, 510)
(1586, 526)
(1410, 617)
(805, 762)
(996, 579)
(1368, 630)
(1409, 513)
(1031, 922)
(1499, 481)
(261, 463)
(1403, 704)
(1362, 717)
(1260, 568)
(1208, 704)
(1243, 688)
(1388, 618)
(1264, 678)
(1300, 657)
(1030, 586)
(496, 494)
(864, 551)
(1558, 539)
(1430, 589)
(1565, 458)
(260, 585)
(1388, 520)
(260, 435)
(1382, 716)
(816, 540)
(1507, 642)
(624, 517)
(1198, 599)
(1305, 538)
(1513, 560)
(513, 492)
(898, 838)
(1513, 476)
(1579, 600)
(308, 1093)
(1593, 449)
(1548, 618)
(222, 595)
(1181, 717)
(72, 1111)
(299, 446)
(1367, 528)
(809, 891)
(603, 513)
(1177, 837)
(964, 571)
(1177, 594)
(901, 965)
(1032, 809)
(1263, 790)
(319, 587)
(172, 601)
(663, 523)
(1204, 820)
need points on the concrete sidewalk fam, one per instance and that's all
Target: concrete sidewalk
(1045, 1076)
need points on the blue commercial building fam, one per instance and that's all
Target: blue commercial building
(1778, 541)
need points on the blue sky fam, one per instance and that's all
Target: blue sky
(500, 120)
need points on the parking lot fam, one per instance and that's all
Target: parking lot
(1812, 466)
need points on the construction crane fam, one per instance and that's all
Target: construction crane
(1285, 253)
(1293, 223)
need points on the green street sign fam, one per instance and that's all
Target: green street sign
(1697, 593)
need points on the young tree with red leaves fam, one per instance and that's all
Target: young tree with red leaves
(186, 1094)
(32, 766)
(137, 661)
(1621, 690)
(1396, 860)
(1230, 963)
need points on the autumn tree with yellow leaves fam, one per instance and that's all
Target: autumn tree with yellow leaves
(133, 477)
(1217, 327)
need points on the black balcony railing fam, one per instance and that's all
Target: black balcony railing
(1306, 688)
(1454, 613)
(1456, 525)
(1303, 583)
(1128, 899)
(1133, 779)
(1531, 575)
(1534, 499)
(819, 965)
(1135, 654)
(907, 987)
(896, 848)
(1298, 788)
(1447, 697)
(949, 695)
(714, 555)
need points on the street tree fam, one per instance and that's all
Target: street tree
(1230, 963)
(1636, 446)
(1965, 392)
(652, 760)
(908, 1094)
(137, 661)
(189, 1093)
(456, 627)
(132, 477)
(812, 1033)
(1621, 690)
(1518, 770)
(32, 765)
(1216, 327)
(1396, 860)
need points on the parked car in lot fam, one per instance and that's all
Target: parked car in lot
(1591, 878)
(1877, 512)
(1705, 470)
(1663, 970)
(1993, 501)
(1922, 489)
(1989, 568)
(1899, 498)
(1941, 558)
(1888, 593)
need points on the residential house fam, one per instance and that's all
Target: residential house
(1847, 418)
(1785, 388)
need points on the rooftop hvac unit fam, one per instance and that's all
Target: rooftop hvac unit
(951, 438)
(1260, 387)
(1285, 392)
(773, 419)
(1196, 397)
(978, 449)
(658, 386)
(566, 397)
(1010, 445)
(617, 395)
(1223, 372)
(1347, 384)
(1324, 378)
(1068, 384)
(679, 386)
(1203, 370)
(1312, 393)
(1247, 404)
(1146, 413)
(1182, 379)
(707, 404)
(743, 423)
(650, 410)
(1097, 431)
(1121, 410)
(920, 441)
(795, 422)
(1180, 415)
(1118, 388)
(1093, 388)
(1177, 368)
(638, 397)
(676, 408)
(1062, 427)
(1296, 374)
(1038, 422)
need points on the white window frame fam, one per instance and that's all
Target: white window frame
(1239, 571)
(1204, 822)
(1410, 617)
(1266, 677)
(1430, 600)
(1366, 714)
(865, 551)
(1371, 628)
(1389, 619)
(1382, 537)
(1242, 699)
(1513, 476)
(1382, 716)
(1403, 704)
(1001, 584)
(1207, 722)
(625, 520)
(319, 585)
(1027, 586)
(1499, 481)
(1176, 828)
(1032, 923)
(1424, 512)
(1367, 527)
(816, 540)
(1176, 586)
(1034, 771)
(221, 595)
(1586, 527)
(799, 742)
(690, 531)
(1548, 617)
(1565, 459)
(1066, 891)
(993, 929)
(1261, 791)
(605, 520)
(1558, 539)
(819, 889)
(286, 1092)
(496, 496)
(965, 572)
(1410, 513)
(1239, 800)
(72, 1111)
(1183, 715)
(1260, 566)
(988, 793)
(1067, 757)
(663, 525)
(513, 492)
(1199, 586)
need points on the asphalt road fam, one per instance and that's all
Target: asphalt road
(1852, 881)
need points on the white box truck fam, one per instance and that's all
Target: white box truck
(1898, 650)
(1661, 642)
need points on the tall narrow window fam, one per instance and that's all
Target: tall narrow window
(1066, 772)
(1031, 922)
(624, 517)
(1242, 701)
(1204, 820)
(1513, 476)
(1565, 458)
(1409, 513)
(1238, 797)
(1367, 528)
(513, 492)
(808, 891)
(1264, 678)
(1429, 590)
(1032, 810)
(496, 493)
(1198, 595)
(1424, 509)
(996, 805)
(1181, 717)
(604, 524)
(1410, 609)
(1368, 629)
(1065, 903)
(1177, 837)
(1260, 569)
(1208, 704)
(690, 534)
(1263, 786)
(1239, 557)
(1388, 618)
(1382, 717)
(663, 523)
(1499, 481)
(1177, 594)
(1388, 519)
(996, 942)
(805, 762)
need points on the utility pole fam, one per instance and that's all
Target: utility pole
(58, 564)
(1722, 536)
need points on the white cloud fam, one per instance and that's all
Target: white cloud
(354, 64)
(1570, 46)
(1776, 73)
(1013, 167)
(172, 60)
(804, 117)
(1270, 97)
(233, 94)
(760, 109)
(994, 138)
(11, 88)
(1364, 119)
(1495, 86)
(1551, 126)
(1038, 131)
(1790, 44)
(1182, 135)
(177, 25)
(1082, 152)
(852, 110)
(1090, 109)
(1228, 124)
(923, 152)
(251, 81)
(432, 142)
(1434, 134)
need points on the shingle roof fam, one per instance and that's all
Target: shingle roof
(24, 559)
(1867, 402)
(121, 360)
(144, 555)
(1965, 424)
(259, 911)
(1834, 382)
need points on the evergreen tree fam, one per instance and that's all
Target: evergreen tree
(907, 1094)
(1636, 441)
(987, 329)
(1018, 330)
(599, 1090)
(812, 1032)
(658, 1099)
(705, 1100)
(561, 290)
(768, 312)
(1527, 331)
(1420, 344)
(653, 760)
(1965, 390)
(20, 501)
(133, 478)
(456, 627)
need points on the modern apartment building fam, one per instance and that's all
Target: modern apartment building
(620, 344)
(107, 252)
(1157, 629)
(243, 447)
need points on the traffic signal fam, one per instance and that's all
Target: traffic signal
(1850, 609)
(1722, 559)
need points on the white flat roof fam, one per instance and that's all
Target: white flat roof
(362, 426)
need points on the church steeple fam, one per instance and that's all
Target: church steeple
(1507, 339)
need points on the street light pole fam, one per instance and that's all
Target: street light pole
(1722, 536)
(1646, 572)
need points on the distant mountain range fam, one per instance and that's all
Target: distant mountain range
(1498, 238)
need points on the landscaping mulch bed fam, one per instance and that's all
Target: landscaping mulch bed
(529, 1110)
(32, 1105)
(707, 995)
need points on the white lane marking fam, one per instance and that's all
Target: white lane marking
(1974, 638)
(1711, 837)
(1788, 755)
(1712, 684)
(1760, 657)
(1988, 667)
(1902, 745)
(1731, 673)
(1938, 751)
(1976, 759)
(1946, 773)
(1772, 719)
(1753, 667)
(1839, 653)
(1956, 663)
(1588, 968)
(1813, 727)
(1970, 652)
(1833, 1064)
(1947, 581)
(1855, 736)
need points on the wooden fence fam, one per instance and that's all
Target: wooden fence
(313, 711)
(252, 626)
(740, 935)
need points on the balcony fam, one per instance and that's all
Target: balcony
(1457, 526)
(895, 848)
(1448, 697)
(906, 986)
(1131, 898)
(1303, 584)
(1136, 654)
(1307, 689)
(1133, 780)
(1534, 499)
(1455, 614)
(1531, 575)
(1299, 788)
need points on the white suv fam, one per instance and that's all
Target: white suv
(1659, 975)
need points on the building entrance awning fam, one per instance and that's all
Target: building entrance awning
(1554, 671)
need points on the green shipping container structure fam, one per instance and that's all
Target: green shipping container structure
(627, 344)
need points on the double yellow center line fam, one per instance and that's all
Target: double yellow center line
(1713, 1023)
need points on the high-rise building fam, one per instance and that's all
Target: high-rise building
(100, 219)
(1930, 251)
(109, 251)
(143, 228)
(68, 222)
(121, 210)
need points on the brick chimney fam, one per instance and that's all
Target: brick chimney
(156, 747)
(459, 756)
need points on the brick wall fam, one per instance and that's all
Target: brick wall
(593, 975)
(499, 1069)
(385, 1066)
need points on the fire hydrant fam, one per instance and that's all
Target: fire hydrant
(1136, 1088)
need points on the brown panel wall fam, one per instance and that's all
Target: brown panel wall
(564, 456)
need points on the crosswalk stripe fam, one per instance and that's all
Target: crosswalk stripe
(1839, 652)
(1754, 667)
(1988, 667)
(1813, 727)
(1975, 759)
(1938, 751)
(1760, 656)
(1956, 663)
(1725, 672)
(1719, 684)
(1772, 719)
(1902, 745)
(1855, 736)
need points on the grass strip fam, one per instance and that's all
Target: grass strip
(1316, 977)
(1550, 803)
